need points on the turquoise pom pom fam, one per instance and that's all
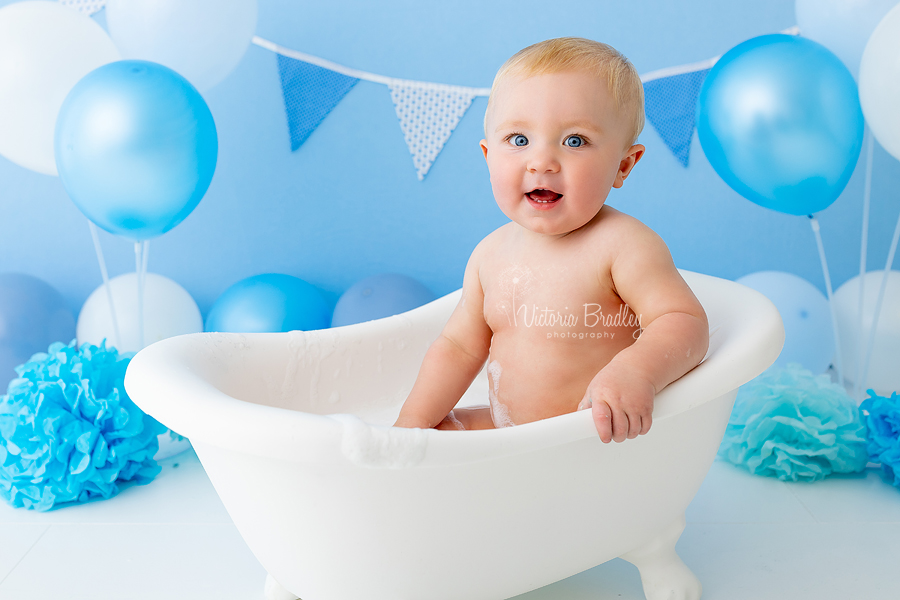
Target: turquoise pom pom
(792, 425)
(882, 419)
(69, 432)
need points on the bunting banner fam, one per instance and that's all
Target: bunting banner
(428, 114)
(670, 104)
(310, 92)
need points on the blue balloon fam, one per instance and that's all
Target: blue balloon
(269, 303)
(808, 334)
(136, 148)
(379, 296)
(33, 315)
(779, 119)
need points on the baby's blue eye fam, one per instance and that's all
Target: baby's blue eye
(519, 140)
(574, 141)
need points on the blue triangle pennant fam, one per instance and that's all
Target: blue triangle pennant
(310, 92)
(670, 104)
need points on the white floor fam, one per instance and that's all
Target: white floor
(747, 538)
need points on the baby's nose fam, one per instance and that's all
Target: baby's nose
(542, 161)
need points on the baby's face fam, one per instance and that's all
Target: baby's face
(554, 146)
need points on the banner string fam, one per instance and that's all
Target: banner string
(357, 74)
(476, 91)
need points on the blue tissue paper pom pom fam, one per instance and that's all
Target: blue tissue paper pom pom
(882, 419)
(69, 432)
(792, 425)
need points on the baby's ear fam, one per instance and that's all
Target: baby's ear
(484, 148)
(631, 158)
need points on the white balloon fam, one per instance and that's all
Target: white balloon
(168, 311)
(804, 310)
(884, 366)
(45, 49)
(203, 40)
(879, 82)
(87, 7)
(842, 26)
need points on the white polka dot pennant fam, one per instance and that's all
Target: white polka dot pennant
(428, 113)
(88, 7)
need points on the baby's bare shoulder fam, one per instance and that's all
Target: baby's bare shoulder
(617, 234)
(500, 235)
(489, 245)
(622, 229)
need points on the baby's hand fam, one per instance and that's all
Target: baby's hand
(621, 403)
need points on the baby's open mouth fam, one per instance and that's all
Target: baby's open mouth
(543, 196)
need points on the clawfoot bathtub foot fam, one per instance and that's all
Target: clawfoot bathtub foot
(663, 574)
(274, 591)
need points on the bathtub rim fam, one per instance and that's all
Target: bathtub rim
(161, 382)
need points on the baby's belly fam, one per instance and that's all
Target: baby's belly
(532, 378)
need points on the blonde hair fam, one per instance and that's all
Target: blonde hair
(579, 54)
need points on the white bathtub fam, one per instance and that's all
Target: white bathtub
(343, 507)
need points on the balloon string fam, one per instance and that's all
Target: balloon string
(138, 265)
(112, 309)
(881, 289)
(145, 255)
(863, 249)
(814, 223)
(146, 251)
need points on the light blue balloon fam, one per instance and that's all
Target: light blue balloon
(779, 119)
(808, 334)
(842, 26)
(269, 303)
(33, 315)
(379, 296)
(136, 148)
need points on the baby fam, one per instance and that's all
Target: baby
(573, 304)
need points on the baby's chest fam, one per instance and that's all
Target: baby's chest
(540, 299)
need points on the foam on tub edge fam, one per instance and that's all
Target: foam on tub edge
(380, 447)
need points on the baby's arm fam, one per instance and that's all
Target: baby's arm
(674, 339)
(454, 359)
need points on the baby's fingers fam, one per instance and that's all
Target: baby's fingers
(620, 425)
(585, 403)
(646, 421)
(603, 421)
(634, 426)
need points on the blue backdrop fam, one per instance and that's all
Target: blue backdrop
(347, 204)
